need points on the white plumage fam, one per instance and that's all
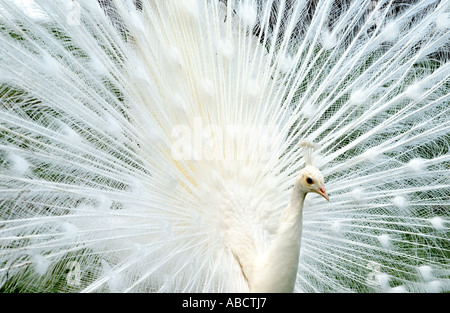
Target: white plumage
(152, 146)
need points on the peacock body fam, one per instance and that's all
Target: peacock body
(143, 143)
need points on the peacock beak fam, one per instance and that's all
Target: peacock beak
(323, 193)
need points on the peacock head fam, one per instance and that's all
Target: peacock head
(311, 180)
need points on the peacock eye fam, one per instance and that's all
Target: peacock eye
(309, 180)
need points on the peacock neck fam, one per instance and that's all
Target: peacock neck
(276, 271)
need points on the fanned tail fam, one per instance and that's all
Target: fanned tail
(135, 139)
